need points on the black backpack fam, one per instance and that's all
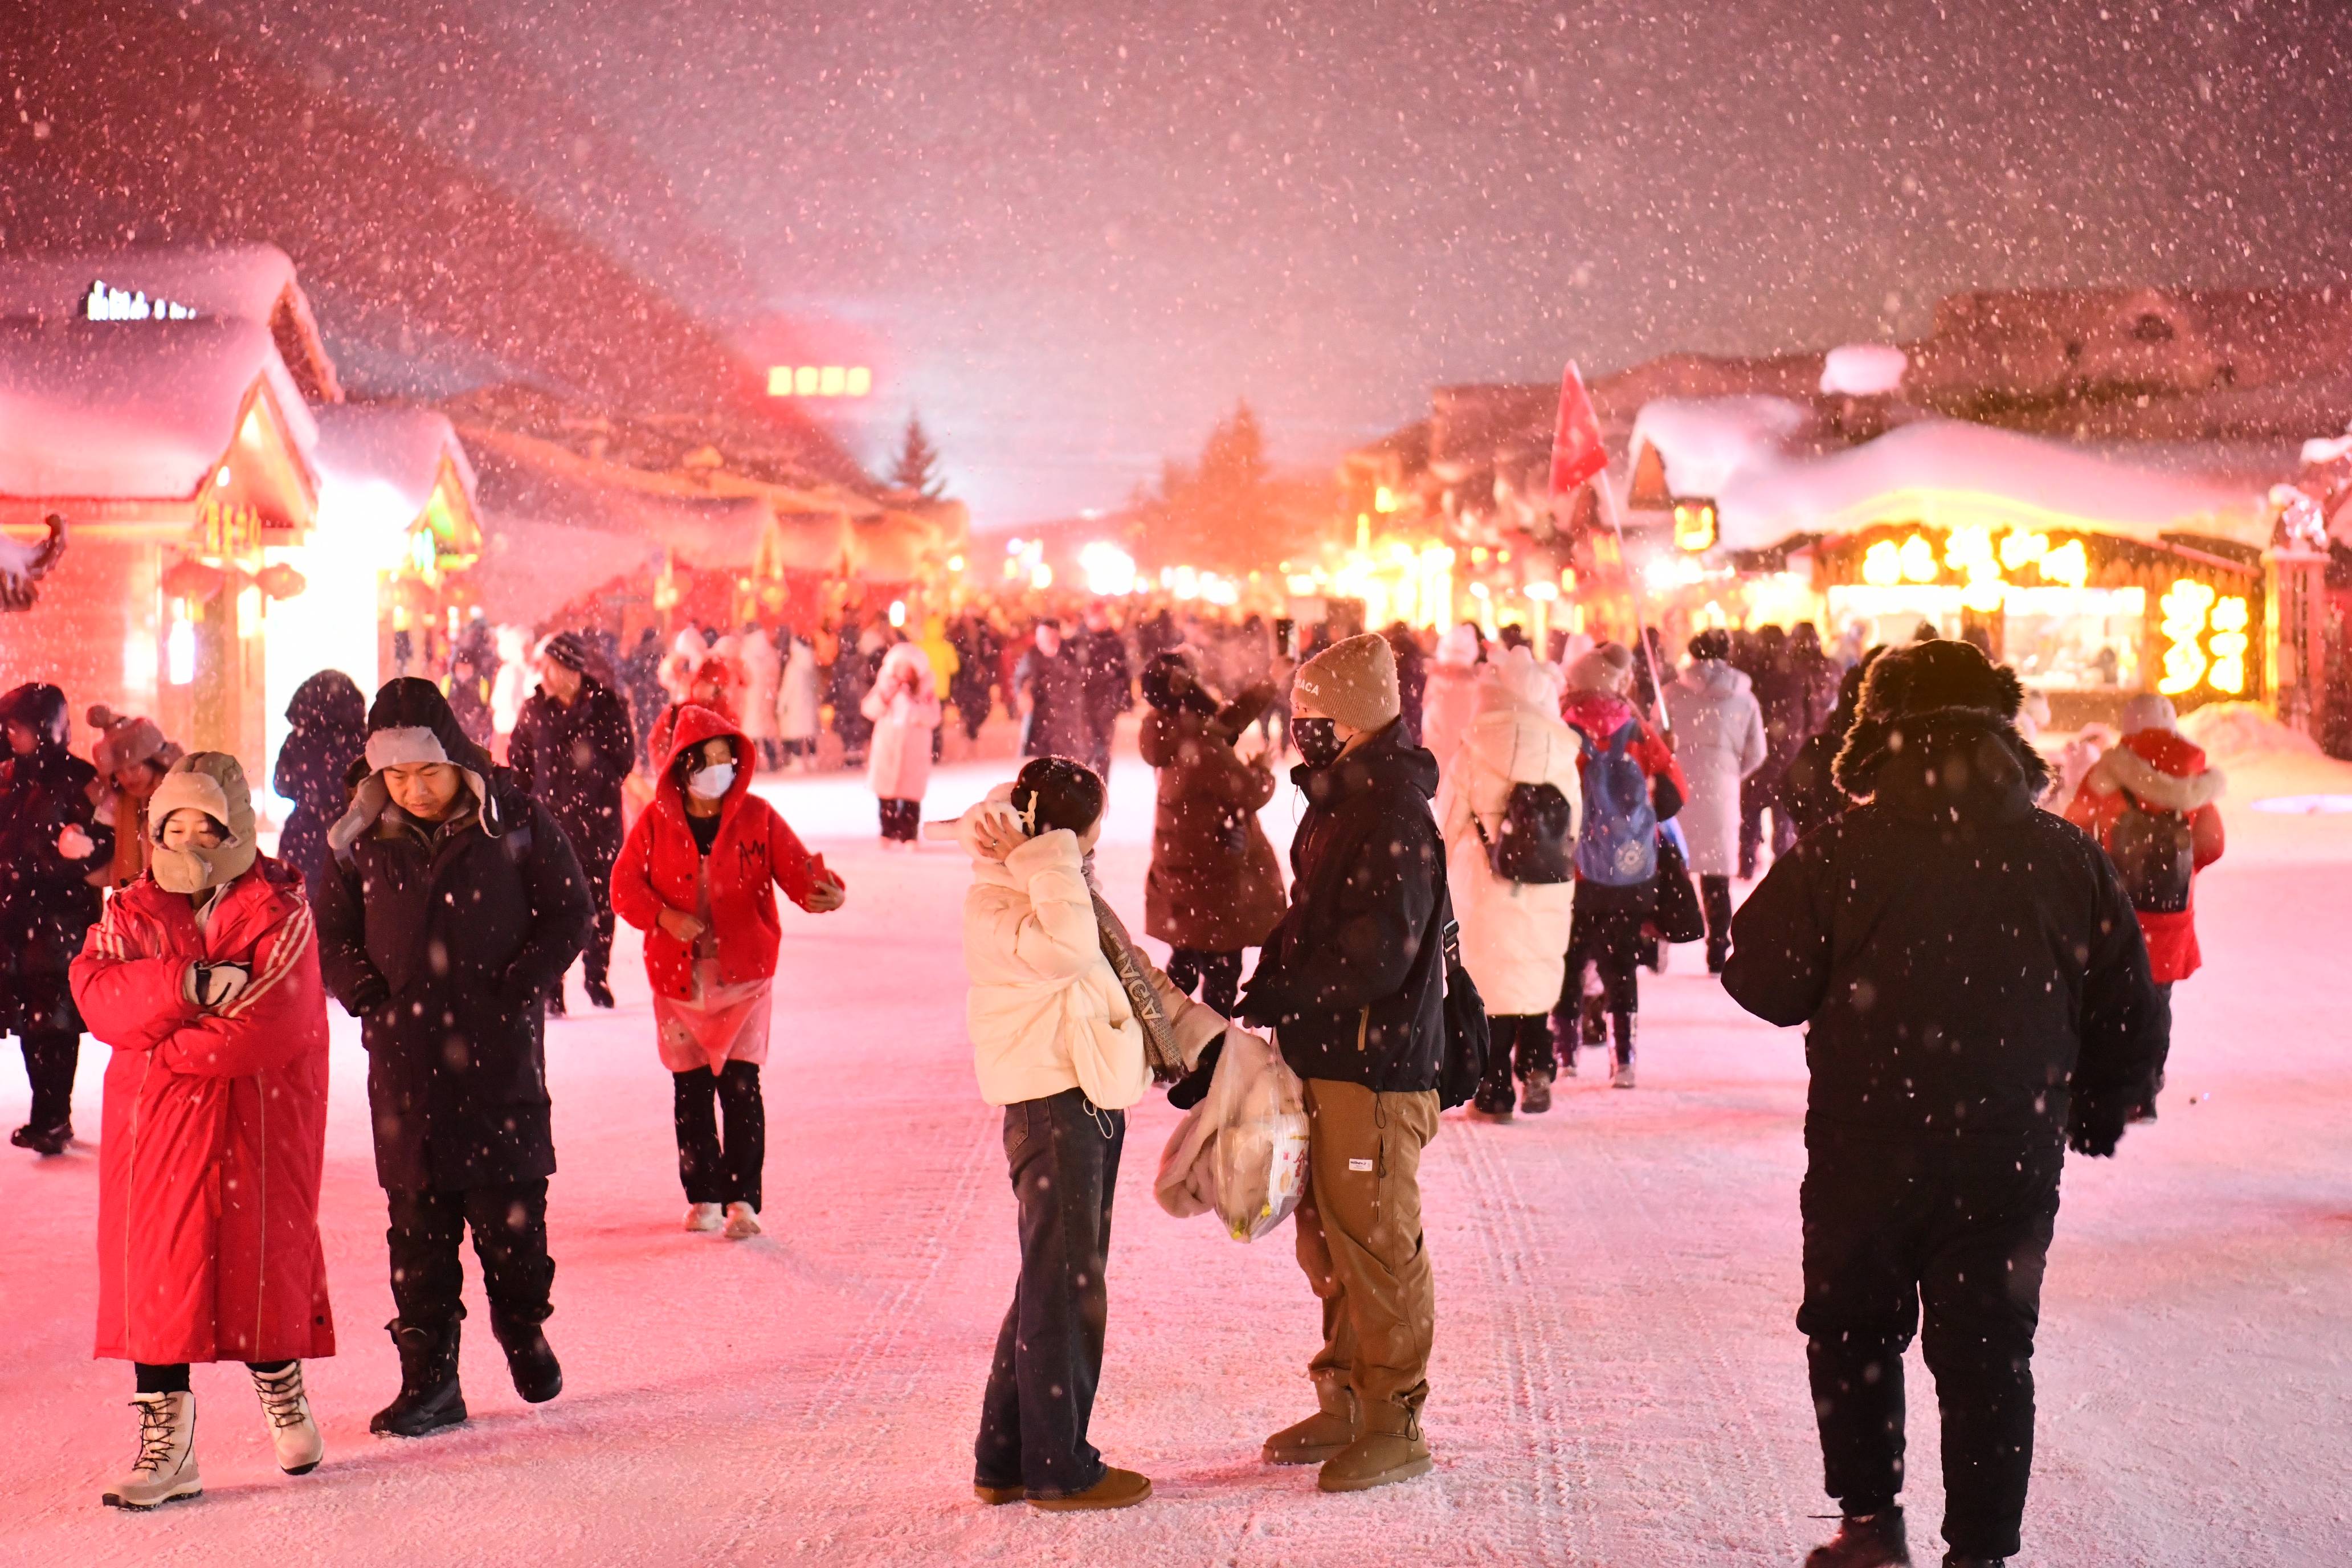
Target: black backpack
(1533, 843)
(2154, 852)
(1468, 1039)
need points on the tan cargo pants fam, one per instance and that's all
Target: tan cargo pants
(1359, 1242)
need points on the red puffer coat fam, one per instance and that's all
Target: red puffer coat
(216, 1127)
(2166, 772)
(753, 855)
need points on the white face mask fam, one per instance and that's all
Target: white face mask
(713, 781)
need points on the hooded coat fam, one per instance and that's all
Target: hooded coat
(797, 694)
(216, 1118)
(1058, 725)
(1449, 696)
(443, 938)
(1966, 963)
(2164, 771)
(1718, 739)
(763, 669)
(47, 902)
(714, 671)
(1353, 979)
(661, 867)
(573, 757)
(1214, 884)
(330, 731)
(904, 704)
(1514, 934)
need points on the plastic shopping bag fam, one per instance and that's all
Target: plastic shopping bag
(1243, 1150)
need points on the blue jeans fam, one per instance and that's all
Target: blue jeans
(1041, 1386)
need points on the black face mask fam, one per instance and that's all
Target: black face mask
(1317, 740)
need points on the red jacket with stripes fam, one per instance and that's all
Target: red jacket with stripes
(215, 1124)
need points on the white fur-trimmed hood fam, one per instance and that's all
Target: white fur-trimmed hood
(2124, 769)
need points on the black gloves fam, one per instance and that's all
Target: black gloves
(1194, 1087)
(367, 997)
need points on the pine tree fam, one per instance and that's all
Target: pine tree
(917, 467)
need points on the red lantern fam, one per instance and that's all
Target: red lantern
(281, 581)
(189, 579)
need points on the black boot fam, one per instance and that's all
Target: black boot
(429, 1398)
(531, 1362)
(599, 993)
(555, 1008)
(1871, 1540)
(44, 1141)
(1961, 1560)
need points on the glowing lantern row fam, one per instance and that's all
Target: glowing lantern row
(1970, 552)
(2207, 636)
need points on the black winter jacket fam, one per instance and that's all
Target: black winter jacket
(47, 902)
(1353, 981)
(329, 733)
(1968, 964)
(443, 939)
(1060, 725)
(572, 759)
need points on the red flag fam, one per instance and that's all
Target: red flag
(1575, 451)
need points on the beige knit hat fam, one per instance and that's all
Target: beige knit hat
(1353, 681)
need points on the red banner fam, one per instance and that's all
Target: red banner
(1577, 454)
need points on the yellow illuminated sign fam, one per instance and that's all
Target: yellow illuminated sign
(1970, 554)
(2205, 632)
(1695, 524)
(820, 381)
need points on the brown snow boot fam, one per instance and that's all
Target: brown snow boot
(1866, 1540)
(1118, 1489)
(1535, 1094)
(1321, 1436)
(1391, 1450)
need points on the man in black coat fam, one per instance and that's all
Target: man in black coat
(1977, 994)
(451, 901)
(1110, 684)
(572, 749)
(1353, 984)
(51, 842)
(1049, 691)
(1780, 689)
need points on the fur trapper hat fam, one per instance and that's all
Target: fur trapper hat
(1909, 690)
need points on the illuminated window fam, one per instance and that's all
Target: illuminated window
(2023, 549)
(804, 381)
(2184, 606)
(2068, 565)
(1881, 565)
(1919, 559)
(829, 380)
(859, 382)
(779, 381)
(1695, 525)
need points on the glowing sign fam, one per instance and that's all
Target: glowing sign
(105, 304)
(1970, 554)
(820, 381)
(1919, 559)
(1694, 527)
(2191, 610)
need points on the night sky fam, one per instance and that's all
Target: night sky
(1081, 230)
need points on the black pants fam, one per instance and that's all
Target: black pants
(1520, 1043)
(173, 1378)
(712, 1175)
(2163, 1028)
(1041, 1386)
(509, 1225)
(901, 819)
(1964, 1226)
(1609, 940)
(1758, 793)
(1715, 897)
(51, 1058)
(596, 958)
(1219, 975)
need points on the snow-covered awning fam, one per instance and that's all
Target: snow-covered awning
(1948, 473)
(1702, 442)
(90, 411)
(394, 450)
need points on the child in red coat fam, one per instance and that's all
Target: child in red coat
(698, 876)
(204, 976)
(2155, 788)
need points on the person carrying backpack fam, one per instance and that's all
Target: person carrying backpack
(2150, 802)
(1631, 783)
(1507, 808)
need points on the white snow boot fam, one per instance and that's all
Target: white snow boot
(742, 1222)
(165, 1469)
(703, 1216)
(291, 1430)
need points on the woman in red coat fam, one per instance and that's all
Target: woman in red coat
(698, 876)
(204, 977)
(2155, 771)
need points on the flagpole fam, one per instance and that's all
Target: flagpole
(1633, 591)
(1580, 456)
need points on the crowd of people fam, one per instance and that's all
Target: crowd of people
(1984, 982)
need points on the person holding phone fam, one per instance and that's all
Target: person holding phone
(697, 876)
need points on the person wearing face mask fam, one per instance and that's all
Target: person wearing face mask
(1353, 984)
(1069, 1026)
(203, 975)
(449, 905)
(697, 876)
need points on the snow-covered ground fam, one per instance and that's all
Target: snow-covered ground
(1617, 1379)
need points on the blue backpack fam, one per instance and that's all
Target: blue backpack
(1618, 845)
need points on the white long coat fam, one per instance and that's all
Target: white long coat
(1719, 739)
(904, 706)
(1514, 934)
(796, 694)
(762, 668)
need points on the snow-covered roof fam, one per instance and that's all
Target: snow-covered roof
(1944, 472)
(1863, 370)
(1704, 441)
(96, 411)
(391, 445)
(237, 282)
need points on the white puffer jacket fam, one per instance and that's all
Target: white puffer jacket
(1514, 934)
(1046, 1011)
(1719, 737)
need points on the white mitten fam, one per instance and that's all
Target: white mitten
(74, 843)
(217, 984)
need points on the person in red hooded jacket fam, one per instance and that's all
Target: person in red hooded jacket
(711, 685)
(2156, 773)
(204, 976)
(698, 876)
